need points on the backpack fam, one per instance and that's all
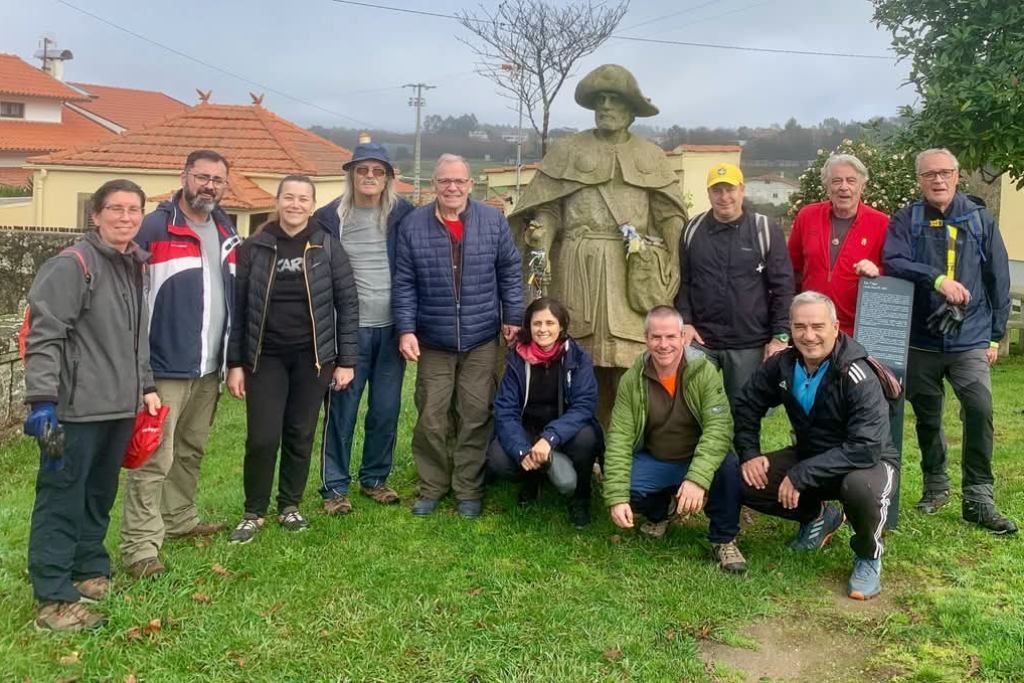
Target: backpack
(892, 389)
(26, 321)
(971, 219)
(764, 235)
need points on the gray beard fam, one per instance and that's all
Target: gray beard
(199, 203)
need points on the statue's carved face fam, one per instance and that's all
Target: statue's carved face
(611, 112)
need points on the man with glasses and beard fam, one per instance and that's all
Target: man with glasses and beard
(191, 282)
(366, 220)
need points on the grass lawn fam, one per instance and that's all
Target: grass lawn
(520, 596)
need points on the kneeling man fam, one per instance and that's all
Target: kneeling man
(843, 449)
(668, 443)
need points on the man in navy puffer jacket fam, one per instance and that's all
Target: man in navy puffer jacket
(457, 283)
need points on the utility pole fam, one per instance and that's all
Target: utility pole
(418, 102)
(514, 70)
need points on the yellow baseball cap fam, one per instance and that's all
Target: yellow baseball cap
(725, 173)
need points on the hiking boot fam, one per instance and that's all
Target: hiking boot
(817, 532)
(93, 589)
(931, 501)
(654, 530)
(866, 579)
(729, 557)
(291, 520)
(67, 616)
(470, 509)
(528, 492)
(147, 566)
(201, 529)
(986, 516)
(424, 507)
(338, 506)
(579, 512)
(246, 529)
(383, 495)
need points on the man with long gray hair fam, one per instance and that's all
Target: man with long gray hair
(366, 220)
(836, 242)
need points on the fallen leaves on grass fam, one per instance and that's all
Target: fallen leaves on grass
(220, 570)
(612, 654)
(71, 658)
(272, 610)
(615, 538)
(974, 668)
(475, 592)
(154, 626)
(200, 597)
(670, 634)
(130, 678)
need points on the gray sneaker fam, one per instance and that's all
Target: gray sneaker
(246, 529)
(291, 520)
(729, 557)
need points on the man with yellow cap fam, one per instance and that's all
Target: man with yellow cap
(592, 191)
(737, 282)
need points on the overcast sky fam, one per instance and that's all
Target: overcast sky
(352, 61)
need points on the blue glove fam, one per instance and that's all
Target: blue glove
(42, 419)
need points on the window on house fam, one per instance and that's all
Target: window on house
(12, 110)
(84, 214)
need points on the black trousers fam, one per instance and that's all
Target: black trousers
(865, 495)
(72, 508)
(582, 449)
(282, 404)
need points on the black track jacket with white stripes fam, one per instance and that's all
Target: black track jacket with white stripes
(847, 428)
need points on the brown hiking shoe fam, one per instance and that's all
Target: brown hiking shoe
(201, 529)
(93, 589)
(338, 506)
(654, 529)
(67, 616)
(729, 557)
(149, 566)
(381, 494)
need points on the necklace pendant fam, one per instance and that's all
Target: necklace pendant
(835, 241)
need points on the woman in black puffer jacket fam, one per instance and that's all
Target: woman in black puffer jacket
(294, 333)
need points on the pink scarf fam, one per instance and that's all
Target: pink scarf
(534, 355)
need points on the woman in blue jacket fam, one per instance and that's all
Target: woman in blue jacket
(545, 411)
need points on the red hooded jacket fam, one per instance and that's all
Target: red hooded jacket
(809, 251)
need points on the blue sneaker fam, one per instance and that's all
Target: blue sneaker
(424, 507)
(470, 509)
(816, 533)
(866, 579)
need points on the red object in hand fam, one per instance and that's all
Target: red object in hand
(145, 437)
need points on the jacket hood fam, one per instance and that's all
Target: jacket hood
(169, 207)
(847, 350)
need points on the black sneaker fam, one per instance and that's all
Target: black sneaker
(986, 516)
(932, 501)
(528, 491)
(246, 529)
(816, 533)
(579, 512)
(291, 520)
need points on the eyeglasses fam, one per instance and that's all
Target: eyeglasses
(203, 179)
(376, 171)
(457, 182)
(941, 174)
(122, 210)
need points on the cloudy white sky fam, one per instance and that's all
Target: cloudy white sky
(351, 61)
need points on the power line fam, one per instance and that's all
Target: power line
(683, 43)
(189, 57)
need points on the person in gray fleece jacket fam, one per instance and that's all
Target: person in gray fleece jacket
(86, 374)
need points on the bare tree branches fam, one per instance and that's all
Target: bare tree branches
(529, 47)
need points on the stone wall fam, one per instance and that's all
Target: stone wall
(21, 254)
(12, 375)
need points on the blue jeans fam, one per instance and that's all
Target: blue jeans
(653, 483)
(383, 368)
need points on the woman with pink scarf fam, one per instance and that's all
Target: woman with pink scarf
(545, 412)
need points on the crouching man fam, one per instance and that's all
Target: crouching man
(668, 443)
(843, 449)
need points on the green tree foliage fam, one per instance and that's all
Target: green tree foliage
(966, 62)
(892, 182)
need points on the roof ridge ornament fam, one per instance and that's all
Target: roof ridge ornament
(257, 100)
(204, 97)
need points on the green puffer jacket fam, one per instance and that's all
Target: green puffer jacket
(706, 399)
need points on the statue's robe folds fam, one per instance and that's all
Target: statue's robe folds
(583, 191)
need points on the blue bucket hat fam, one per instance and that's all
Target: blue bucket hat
(371, 151)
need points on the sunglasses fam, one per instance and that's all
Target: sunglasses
(376, 171)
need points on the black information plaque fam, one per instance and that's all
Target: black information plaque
(882, 326)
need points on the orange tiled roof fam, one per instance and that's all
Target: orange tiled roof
(253, 139)
(128, 107)
(38, 137)
(18, 77)
(241, 194)
(505, 169)
(15, 177)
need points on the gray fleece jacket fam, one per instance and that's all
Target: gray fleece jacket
(84, 350)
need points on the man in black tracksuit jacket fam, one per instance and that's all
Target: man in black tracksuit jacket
(843, 449)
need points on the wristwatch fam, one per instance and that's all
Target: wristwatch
(782, 337)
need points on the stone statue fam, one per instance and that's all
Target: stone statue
(599, 197)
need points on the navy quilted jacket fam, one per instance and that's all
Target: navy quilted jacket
(423, 298)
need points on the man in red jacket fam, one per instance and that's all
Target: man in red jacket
(838, 241)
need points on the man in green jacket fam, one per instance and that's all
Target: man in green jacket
(668, 447)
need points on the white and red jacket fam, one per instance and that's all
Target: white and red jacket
(178, 292)
(809, 251)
